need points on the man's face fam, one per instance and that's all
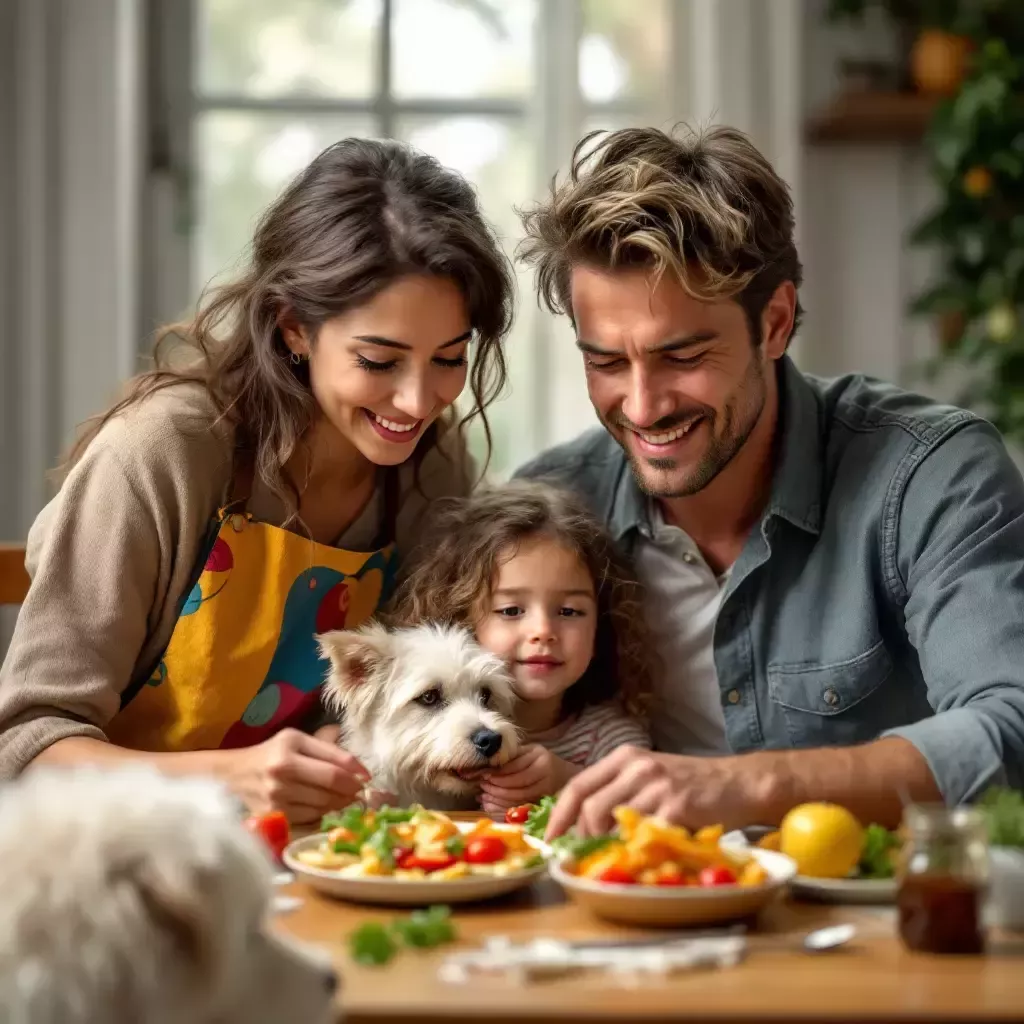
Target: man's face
(677, 382)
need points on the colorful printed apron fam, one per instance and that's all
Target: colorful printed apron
(242, 662)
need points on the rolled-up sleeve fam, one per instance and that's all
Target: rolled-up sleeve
(956, 549)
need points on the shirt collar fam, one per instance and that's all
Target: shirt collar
(796, 485)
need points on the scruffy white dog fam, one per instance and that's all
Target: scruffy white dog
(425, 708)
(130, 898)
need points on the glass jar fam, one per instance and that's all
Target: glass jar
(942, 878)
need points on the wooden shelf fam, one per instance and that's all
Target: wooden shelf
(873, 117)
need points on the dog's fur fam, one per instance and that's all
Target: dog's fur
(126, 896)
(412, 751)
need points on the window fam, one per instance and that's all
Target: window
(490, 87)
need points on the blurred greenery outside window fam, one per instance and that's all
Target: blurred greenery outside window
(275, 83)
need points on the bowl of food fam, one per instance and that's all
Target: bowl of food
(837, 859)
(414, 857)
(649, 872)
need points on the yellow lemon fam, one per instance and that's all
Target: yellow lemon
(825, 840)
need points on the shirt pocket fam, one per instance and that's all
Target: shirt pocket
(834, 704)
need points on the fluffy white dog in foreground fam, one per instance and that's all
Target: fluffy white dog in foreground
(130, 898)
(425, 708)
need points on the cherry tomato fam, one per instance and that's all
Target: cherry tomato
(517, 815)
(273, 829)
(484, 850)
(672, 878)
(616, 876)
(427, 864)
(716, 876)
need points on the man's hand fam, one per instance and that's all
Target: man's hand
(534, 773)
(746, 789)
(690, 791)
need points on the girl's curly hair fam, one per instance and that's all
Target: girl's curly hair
(450, 574)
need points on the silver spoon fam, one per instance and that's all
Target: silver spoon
(824, 939)
(819, 941)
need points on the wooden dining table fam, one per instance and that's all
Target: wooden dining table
(873, 978)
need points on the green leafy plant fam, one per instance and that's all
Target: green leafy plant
(976, 148)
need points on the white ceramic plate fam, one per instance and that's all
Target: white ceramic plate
(845, 890)
(411, 892)
(865, 891)
(670, 905)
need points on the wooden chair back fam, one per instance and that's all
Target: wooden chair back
(13, 577)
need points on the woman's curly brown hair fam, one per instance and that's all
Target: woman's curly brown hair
(450, 575)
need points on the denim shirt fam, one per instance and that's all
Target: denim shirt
(882, 591)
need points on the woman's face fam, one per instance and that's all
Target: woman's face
(382, 373)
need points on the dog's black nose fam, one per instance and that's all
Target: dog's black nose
(486, 741)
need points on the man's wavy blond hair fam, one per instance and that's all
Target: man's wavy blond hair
(449, 577)
(705, 206)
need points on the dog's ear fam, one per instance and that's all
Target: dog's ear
(177, 901)
(354, 654)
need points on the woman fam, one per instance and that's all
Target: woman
(235, 504)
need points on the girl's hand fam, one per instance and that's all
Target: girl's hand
(304, 776)
(534, 773)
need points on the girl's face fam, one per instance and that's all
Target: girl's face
(541, 618)
(383, 372)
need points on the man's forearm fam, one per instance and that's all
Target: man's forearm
(872, 781)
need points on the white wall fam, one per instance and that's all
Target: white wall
(70, 117)
(858, 203)
(70, 181)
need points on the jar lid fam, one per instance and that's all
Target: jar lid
(938, 820)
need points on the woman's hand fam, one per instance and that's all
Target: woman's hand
(533, 773)
(304, 776)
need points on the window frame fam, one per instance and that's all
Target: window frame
(555, 112)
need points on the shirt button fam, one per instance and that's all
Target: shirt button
(689, 558)
(831, 697)
(733, 696)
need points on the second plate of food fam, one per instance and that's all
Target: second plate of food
(653, 873)
(415, 857)
(853, 889)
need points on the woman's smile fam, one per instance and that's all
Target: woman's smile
(394, 430)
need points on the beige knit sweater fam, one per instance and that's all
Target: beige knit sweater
(112, 554)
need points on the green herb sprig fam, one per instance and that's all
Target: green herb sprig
(375, 944)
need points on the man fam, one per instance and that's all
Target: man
(835, 568)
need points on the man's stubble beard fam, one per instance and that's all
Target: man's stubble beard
(722, 448)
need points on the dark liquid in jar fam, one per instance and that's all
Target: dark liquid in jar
(940, 914)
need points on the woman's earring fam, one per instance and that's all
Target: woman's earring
(296, 358)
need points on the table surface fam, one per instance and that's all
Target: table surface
(873, 978)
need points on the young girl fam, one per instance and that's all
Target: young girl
(255, 491)
(538, 580)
